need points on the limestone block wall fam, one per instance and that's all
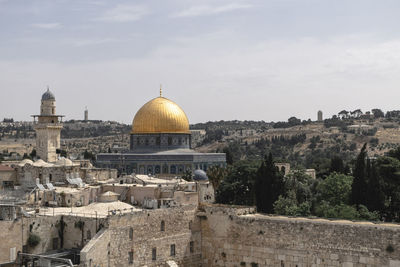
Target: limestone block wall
(231, 239)
(11, 239)
(186, 198)
(139, 193)
(98, 174)
(7, 176)
(141, 232)
(28, 173)
(79, 197)
(96, 252)
(206, 192)
(77, 231)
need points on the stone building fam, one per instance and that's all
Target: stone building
(29, 173)
(48, 128)
(160, 143)
(8, 177)
(86, 114)
(320, 118)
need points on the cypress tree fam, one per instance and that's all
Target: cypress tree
(336, 165)
(359, 188)
(260, 187)
(268, 185)
(375, 194)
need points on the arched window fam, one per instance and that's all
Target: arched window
(131, 233)
(162, 226)
(173, 169)
(157, 169)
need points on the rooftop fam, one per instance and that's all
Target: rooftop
(5, 168)
(99, 209)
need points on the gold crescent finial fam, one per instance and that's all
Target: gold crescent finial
(160, 90)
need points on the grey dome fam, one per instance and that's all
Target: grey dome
(48, 95)
(200, 175)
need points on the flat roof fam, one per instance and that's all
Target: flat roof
(100, 208)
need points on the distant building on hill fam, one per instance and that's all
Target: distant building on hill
(320, 115)
(86, 116)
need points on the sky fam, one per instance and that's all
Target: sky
(218, 60)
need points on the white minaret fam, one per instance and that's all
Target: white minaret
(48, 128)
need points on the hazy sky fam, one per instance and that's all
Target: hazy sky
(219, 60)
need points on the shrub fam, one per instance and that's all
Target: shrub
(390, 248)
(33, 240)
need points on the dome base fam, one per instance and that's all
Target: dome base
(159, 142)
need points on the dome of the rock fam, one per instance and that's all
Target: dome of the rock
(160, 115)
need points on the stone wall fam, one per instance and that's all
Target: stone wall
(11, 240)
(233, 238)
(138, 192)
(141, 232)
(8, 176)
(98, 174)
(96, 252)
(28, 173)
(186, 198)
(77, 231)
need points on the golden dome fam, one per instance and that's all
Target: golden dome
(160, 115)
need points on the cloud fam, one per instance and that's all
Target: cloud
(87, 42)
(196, 11)
(268, 80)
(124, 13)
(49, 26)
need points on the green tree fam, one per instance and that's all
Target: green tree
(337, 165)
(376, 197)
(290, 206)
(187, 176)
(388, 169)
(215, 175)
(359, 189)
(238, 186)
(268, 185)
(335, 189)
(229, 156)
(33, 153)
(378, 113)
(89, 155)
